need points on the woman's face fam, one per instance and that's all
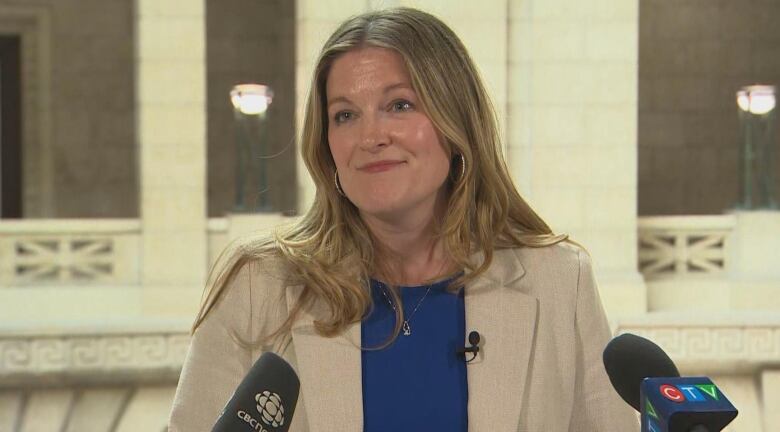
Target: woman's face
(390, 160)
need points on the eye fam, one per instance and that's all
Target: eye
(341, 116)
(402, 105)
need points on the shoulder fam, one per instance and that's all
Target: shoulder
(555, 272)
(564, 256)
(253, 260)
(262, 278)
(248, 284)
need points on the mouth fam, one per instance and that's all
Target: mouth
(380, 166)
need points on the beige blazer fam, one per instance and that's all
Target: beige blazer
(539, 369)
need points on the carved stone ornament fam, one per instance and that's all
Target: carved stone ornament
(97, 358)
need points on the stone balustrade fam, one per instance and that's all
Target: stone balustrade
(106, 251)
(87, 252)
(69, 252)
(684, 246)
(118, 377)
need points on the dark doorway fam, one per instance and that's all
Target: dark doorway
(10, 128)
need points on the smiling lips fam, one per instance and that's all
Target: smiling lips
(380, 166)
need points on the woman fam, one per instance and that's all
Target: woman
(416, 238)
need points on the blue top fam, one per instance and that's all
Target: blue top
(418, 383)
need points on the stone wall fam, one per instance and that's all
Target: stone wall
(78, 151)
(79, 77)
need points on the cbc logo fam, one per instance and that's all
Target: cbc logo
(270, 407)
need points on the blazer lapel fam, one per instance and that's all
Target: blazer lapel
(330, 372)
(505, 318)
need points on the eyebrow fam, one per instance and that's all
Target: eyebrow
(385, 91)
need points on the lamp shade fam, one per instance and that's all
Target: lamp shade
(756, 99)
(251, 99)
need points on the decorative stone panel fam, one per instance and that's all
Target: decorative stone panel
(107, 358)
(725, 343)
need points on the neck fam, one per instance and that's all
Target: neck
(409, 248)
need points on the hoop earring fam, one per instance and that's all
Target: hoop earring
(336, 181)
(462, 169)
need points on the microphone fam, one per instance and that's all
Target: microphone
(473, 348)
(264, 401)
(647, 379)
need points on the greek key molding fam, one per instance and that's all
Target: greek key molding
(711, 348)
(104, 358)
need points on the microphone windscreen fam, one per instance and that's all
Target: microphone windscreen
(629, 359)
(265, 399)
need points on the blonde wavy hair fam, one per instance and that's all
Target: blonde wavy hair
(330, 250)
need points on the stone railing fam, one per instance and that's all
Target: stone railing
(739, 351)
(118, 377)
(96, 252)
(69, 252)
(712, 343)
(106, 251)
(684, 246)
(101, 353)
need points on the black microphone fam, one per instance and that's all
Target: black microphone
(629, 359)
(647, 379)
(473, 348)
(264, 401)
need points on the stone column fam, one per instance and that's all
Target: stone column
(752, 263)
(171, 116)
(572, 128)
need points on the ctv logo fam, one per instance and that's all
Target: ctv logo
(689, 392)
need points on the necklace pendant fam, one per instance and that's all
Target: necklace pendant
(407, 329)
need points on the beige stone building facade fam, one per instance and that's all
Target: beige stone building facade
(619, 123)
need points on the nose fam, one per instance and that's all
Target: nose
(373, 134)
